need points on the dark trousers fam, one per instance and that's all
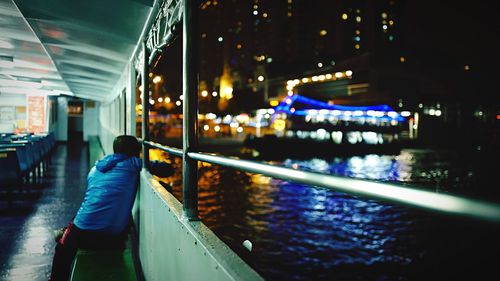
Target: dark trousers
(75, 238)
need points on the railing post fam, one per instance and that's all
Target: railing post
(145, 104)
(190, 109)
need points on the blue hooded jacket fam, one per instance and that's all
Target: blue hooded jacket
(111, 189)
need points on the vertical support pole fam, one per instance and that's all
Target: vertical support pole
(190, 109)
(145, 104)
(131, 98)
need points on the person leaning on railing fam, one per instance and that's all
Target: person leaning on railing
(103, 219)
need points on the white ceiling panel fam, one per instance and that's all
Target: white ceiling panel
(73, 47)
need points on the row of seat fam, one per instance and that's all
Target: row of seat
(24, 159)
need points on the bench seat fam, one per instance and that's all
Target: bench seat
(104, 265)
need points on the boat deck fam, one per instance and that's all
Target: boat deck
(26, 231)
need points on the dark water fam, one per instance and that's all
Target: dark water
(301, 232)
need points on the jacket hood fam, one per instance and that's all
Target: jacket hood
(110, 161)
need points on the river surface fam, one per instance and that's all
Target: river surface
(300, 232)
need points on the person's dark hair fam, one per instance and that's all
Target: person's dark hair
(128, 145)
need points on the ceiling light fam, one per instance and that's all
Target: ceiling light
(21, 84)
(6, 61)
(28, 79)
(6, 58)
(6, 45)
(25, 91)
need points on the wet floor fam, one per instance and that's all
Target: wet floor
(26, 232)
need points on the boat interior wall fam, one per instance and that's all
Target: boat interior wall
(173, 248)
(78, 48)
(62, 119)
(108, 124)
(117, 114)
(90, 119)
(12, 100)
(52, 114)
(12, 112)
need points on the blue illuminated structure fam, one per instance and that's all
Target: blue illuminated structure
(301, 106)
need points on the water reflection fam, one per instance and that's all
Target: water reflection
(300, 232)
(436, 171)
(320, 232)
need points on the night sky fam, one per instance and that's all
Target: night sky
(438, 39)
(462, 30)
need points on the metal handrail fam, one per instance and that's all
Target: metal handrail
(445, 203)
(171, 150)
